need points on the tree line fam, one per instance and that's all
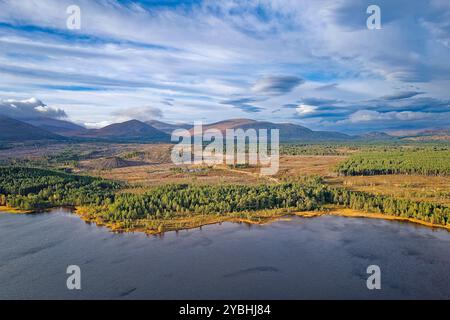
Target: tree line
(34, 188)
(429, 161)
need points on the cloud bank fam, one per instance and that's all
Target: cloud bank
(29, 109)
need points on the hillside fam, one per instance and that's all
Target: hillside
(12, 130)
(57, 126)
(132, 130)
(430, 135)
(168, 127)
(377, 136)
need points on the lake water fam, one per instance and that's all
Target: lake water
(324, 257)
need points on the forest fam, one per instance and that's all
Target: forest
(33, 189)
(425, 211)
(170, 200)
(423, 161)
(310, 150)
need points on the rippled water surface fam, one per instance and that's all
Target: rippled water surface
(324, 257)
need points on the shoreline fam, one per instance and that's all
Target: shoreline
(157, 227)
(351, 213)
(14, 210)
(177, 224)
(260, 218)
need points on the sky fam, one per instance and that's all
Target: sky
(314, 63)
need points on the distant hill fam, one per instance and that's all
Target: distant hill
(167, 127)
(12, 130)
(229, 124)
(377, 136)
(56, 126)
(132, 130)
(288, 132)
(430, 135)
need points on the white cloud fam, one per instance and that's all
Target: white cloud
(97, 125)
(29, 109)
(305, 109)
(145, 113)
(370, 115)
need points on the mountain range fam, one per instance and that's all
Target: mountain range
(36, 129)
(288, 132)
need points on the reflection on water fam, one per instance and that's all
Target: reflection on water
(324, 257)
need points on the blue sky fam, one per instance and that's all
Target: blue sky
(313, 63)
